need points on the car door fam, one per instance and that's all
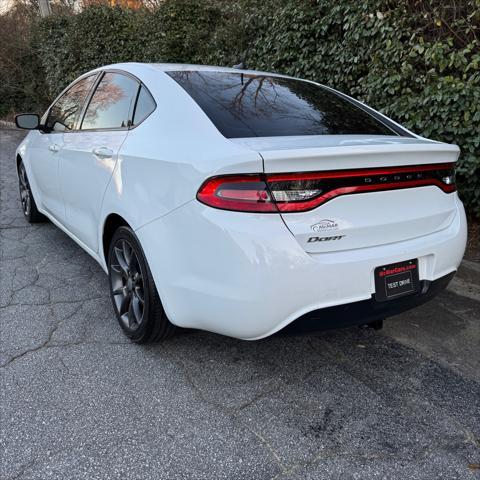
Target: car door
(46, 148)
(90, 153)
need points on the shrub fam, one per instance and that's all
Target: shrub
(73, 44)
(417, 61)
(22, 82)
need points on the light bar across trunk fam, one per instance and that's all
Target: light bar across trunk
(300, 192)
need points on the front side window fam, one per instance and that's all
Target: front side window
(66, 110)
(255, 105)
(111, 103)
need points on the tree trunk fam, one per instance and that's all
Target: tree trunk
(44, 8)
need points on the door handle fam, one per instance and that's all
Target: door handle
(54, 147)
(102, 152)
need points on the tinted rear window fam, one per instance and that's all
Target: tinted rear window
(246, 105)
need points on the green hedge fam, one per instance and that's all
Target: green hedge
(177, 32)
(22, 82)
(417, 61)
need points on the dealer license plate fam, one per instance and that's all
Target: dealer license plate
(396, 280)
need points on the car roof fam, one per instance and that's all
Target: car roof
(169, 67)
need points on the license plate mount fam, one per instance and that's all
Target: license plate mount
(396, 280)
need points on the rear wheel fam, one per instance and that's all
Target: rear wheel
(135, 298)
(29, 207)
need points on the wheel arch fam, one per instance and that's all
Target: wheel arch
(18, 160)
(112, 222)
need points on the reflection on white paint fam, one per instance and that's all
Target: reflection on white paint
(117, 176)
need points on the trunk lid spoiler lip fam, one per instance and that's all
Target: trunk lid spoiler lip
(326, 141)
(363, 153)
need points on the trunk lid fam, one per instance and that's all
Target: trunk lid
(360, 220)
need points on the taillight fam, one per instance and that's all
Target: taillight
(300, 192)
(243, 193)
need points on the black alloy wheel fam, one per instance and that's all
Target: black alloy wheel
(127, 285)
(134, 295)
(29, 207)
(24, 187)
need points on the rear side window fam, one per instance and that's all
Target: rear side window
(248, 105)
(144, 107)
(111, 104)
(66, 110)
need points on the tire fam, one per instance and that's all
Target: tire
(29, 207)
(134, 295)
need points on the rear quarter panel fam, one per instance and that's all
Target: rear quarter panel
(165, 159)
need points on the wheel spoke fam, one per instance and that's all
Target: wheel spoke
(134, 266)
(138, 280)
(137, 310)
(23, 177)
(125, 305)
(131, 316)
(117, 269)
(122, 263)
(119, 291)
(127, 254)
(139, 295)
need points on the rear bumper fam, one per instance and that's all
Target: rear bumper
(365, 311)
(246, 276)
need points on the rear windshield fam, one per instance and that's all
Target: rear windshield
(247, 105)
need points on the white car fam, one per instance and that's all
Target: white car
(242, 202)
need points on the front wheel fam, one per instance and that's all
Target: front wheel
(135, 298)
(29, 207)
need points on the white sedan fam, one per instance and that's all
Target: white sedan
(242, 202)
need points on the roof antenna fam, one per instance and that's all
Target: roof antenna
(240, 66)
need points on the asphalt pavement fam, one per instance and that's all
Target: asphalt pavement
(79, 401)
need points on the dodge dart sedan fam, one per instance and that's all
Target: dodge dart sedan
(242, 202)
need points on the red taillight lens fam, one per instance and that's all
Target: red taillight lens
(300, 192)
(243, 193)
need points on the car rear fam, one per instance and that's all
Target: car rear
(351, 219)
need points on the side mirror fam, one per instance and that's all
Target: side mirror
(27, 121)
